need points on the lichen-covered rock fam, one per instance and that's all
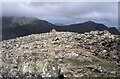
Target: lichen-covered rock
(55, 54)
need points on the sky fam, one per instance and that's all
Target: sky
(65, 12)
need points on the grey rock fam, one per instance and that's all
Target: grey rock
(54, 53)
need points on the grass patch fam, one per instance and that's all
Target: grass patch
(76, 62)
(91, 74)
(106, 64)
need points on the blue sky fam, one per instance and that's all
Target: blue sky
(65, 12)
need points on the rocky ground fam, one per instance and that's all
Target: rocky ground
(92, 54)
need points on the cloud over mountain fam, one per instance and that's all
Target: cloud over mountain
(65, 12)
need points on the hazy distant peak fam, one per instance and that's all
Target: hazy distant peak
(89, 21)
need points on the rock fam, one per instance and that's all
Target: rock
(53, 30)
(68, 53)
(104, 54)
(113, 72)
(96, 68)
(106, 43)
(96, 32)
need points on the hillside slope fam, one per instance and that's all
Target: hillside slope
(92, 54)
(21, 26)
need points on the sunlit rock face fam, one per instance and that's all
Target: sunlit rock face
(92, 54)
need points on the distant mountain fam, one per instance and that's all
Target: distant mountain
(21, 26)
(59, 24)
(90, 26)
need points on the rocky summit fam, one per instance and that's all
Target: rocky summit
(61, 54)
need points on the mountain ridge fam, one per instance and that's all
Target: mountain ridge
(21, 26)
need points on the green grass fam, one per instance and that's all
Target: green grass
(107, 64)
(76, 62)
(89, 73)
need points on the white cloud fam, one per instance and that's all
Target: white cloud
(105, 12)
(60, 0)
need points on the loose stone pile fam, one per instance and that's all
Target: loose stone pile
(93, 54)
